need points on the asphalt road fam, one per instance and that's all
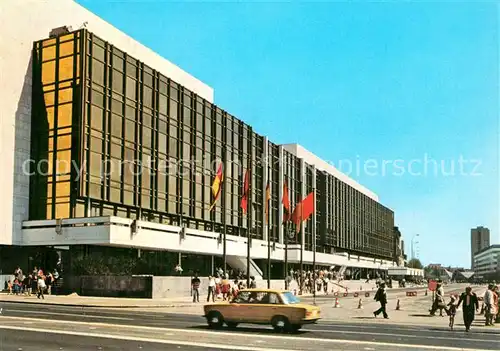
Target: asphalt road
(348, 335)
(21, 340)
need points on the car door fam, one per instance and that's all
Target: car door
(266, 307)
(238, 307)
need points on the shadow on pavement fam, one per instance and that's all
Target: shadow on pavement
(364, 318)
(250, 330)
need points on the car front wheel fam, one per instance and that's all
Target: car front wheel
(215, 320)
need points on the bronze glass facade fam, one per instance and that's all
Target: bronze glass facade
(139, 145)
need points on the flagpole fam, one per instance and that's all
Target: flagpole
(268, 258)
(301, 249)
(268, 186)
(249, 208)
(224, 232)
(285, 230)
(314, 245)
(286, 226)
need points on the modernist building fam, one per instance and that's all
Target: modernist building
(114, 152)
(479, 240)
(487, 263)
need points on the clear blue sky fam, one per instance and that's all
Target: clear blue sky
(362, 82)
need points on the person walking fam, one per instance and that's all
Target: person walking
(439, 302)
(452, 310)
(211, 288)
(195, 287)
(496, 312)
(381, 296)
(470, 306)
(41, 287)
(489, 305)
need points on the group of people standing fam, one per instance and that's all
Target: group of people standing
(37, 282)
(470, 305)
(468, 300)
(219, 287)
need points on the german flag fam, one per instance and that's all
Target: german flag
(217, 185)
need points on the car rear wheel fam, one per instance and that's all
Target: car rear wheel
(232, 325)
(215, 320)
(280, 323)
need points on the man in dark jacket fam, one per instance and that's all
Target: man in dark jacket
(381, 296)
(470, 306)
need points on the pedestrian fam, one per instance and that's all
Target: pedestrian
(41, 286)
(489, 308)
(234, 289)
(211, 289)
(34, 284)
(50, 282)
(19, 274)
(496, 310)
(225, 288)
(452, 310)
(218, 287)
(381, 296)
(195, 286)
(325, 285)
(253, 283)
(439, 302)
(470, 306)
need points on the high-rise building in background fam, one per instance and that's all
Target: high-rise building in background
(479, 240)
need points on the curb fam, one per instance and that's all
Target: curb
(97, 305)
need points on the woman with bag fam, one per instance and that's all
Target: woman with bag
(41, 286)
(439, 302)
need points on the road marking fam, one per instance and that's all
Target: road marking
(261, 336)
(394, 334)
(72, 315)
(146, 340)
(404, 327)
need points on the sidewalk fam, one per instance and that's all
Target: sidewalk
(98, 302)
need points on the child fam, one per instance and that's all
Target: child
(452, 310)
(9, 287)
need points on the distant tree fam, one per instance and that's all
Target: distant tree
(415, 263)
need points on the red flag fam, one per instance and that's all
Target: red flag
(246, 189)
(217, 185)
(286, 203)
(303, 210)
(268, 198)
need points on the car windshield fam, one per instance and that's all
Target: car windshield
(289, 298)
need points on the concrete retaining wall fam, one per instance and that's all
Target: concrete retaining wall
(173, 287)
